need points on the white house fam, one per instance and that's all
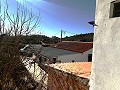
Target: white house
(106, 48)
(68, 52)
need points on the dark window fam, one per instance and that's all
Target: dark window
(73, 60)
(54, 60)
(115, 9)
(89, 57)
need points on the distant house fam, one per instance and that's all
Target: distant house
(29, 49)
(69, 76)
(67, 52)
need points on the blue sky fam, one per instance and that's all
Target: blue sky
(68, 15)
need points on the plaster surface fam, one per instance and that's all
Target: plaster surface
(106, 49)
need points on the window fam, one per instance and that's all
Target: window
(115, 9)
(73, 60)
(54, 60)
(89, 57)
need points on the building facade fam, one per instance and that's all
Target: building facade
(106, 47)
(78, 57)
(68, 52)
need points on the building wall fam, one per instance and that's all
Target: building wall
(106, 49)
(76, 57)
(59, 80)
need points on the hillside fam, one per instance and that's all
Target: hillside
(88, 37)
(36, 39)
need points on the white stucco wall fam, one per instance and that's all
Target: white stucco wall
(76, 57)
(106, 49)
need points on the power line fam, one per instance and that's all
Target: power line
(61, 32)
(56, 33)
(64, 32)
(70, 32)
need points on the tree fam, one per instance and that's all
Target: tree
(13, 25)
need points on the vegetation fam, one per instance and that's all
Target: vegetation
(88, 37)
(13, 74)
(36, 39)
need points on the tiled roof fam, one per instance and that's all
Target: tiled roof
(75, 46)
(81, 69)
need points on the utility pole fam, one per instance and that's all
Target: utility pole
(61, 36)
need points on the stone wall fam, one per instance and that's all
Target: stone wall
(60, 80)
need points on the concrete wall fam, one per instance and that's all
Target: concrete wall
(106, 49)
(76, 57)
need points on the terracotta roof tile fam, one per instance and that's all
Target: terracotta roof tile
(75, 46)
(82, 69)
